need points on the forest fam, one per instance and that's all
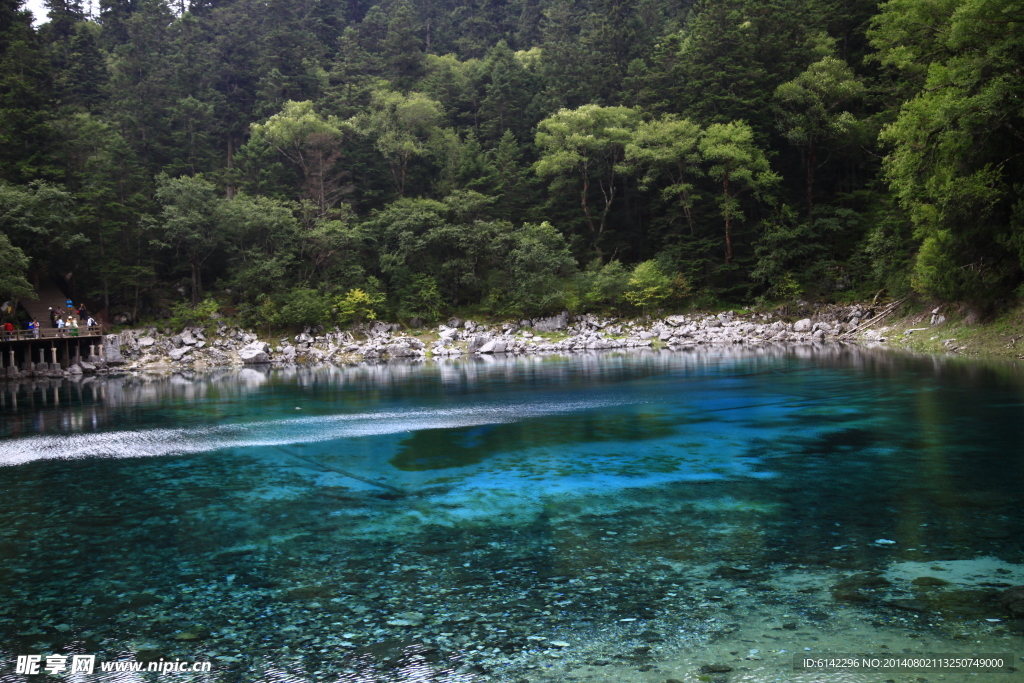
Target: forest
(298, 162)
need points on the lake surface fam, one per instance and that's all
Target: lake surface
(693, 515)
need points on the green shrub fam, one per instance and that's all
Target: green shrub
(356, 306)
(304, 306)
(185, 314)
(648, 286)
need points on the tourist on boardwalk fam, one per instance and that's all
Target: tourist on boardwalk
(90, 323)
(34, 326)
(73, 324)
(60, 327)
(82, 312)
(53, 317)
(8, 329)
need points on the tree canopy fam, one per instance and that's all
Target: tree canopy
(302, 161)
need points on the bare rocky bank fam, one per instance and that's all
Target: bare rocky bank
(220, 344)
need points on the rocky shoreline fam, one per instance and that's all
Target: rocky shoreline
(150, 349)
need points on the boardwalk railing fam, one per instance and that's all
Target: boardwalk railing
(53, 333)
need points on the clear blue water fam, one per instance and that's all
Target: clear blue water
(514, 519)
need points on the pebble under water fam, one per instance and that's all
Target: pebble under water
(695, 515)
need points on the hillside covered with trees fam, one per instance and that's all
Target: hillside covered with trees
(310, 161)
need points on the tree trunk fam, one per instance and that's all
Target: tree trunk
(812, 155)
(586, 212)
(728, 216)
(195, 284)
(230, 186)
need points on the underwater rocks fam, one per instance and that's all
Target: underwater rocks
(1012, 599)
(859, 588)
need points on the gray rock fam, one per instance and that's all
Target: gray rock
(500, 346)
(488, 347)
(187, 339)
(476, 343)
(557, 322)
(802, 325)
(146, 342)
(401, 350)
(255, 352)
(112, 350)
(178, 354)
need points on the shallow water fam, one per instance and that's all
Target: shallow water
(620, 517)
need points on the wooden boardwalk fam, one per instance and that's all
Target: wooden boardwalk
(21, 352)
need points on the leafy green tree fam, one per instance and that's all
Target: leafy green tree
(304, 306)
(733, 54)
(956, 152)
(110, 191)
(648, 285)
(587, 144)
(188, 222)
(599, 286)
(401, 126)
(313, 143)
(139, 85)
(668, 147)
(39, 219)
(529, 265)
(357, 305)
(24, 95)
(734, 160)
(508, 91)
(262, 243)
(509, 178)
(813, 113)
(13, 266)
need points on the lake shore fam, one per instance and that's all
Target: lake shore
(152, 349)
(913, 326)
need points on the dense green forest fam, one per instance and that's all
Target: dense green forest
(303, 161)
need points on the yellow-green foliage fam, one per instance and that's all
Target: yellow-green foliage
(648, 286)
(357, 305)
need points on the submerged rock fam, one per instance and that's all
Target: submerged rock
(859, 587)
(1012, 599)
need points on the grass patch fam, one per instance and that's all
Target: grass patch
(1001, 337)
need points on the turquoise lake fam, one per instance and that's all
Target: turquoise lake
(696, 515)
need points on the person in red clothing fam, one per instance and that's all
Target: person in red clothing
(8, 329)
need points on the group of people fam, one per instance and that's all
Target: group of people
(72, 323)
(77, 318)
